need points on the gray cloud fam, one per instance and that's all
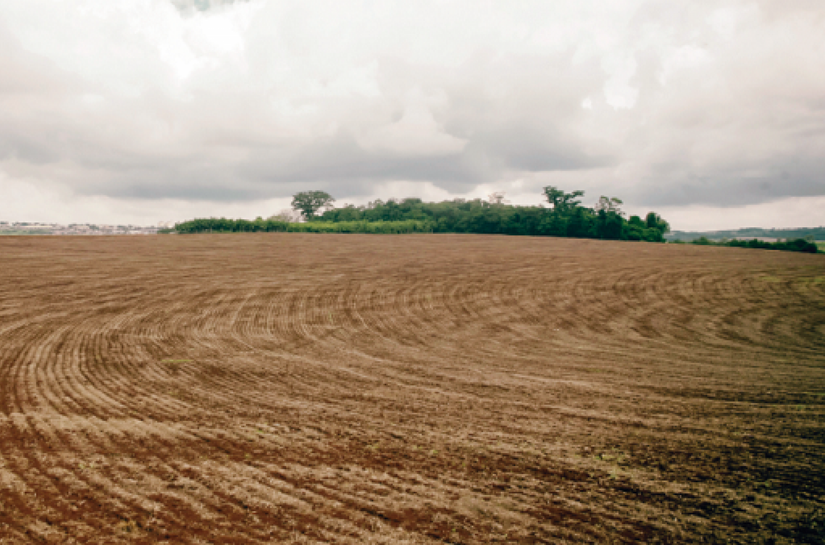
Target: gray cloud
(665, 105)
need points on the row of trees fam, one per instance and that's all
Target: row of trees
(272, 225)
(224, 225)
(564, 216)
(796, 245)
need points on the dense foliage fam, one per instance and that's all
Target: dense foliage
(564, 217)
(797, 245)
(223, 225)
(309, 203)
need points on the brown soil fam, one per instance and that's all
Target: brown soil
(409, 389)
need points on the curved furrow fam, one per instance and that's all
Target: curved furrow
(425, 388)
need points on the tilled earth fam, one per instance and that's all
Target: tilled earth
(408, 389)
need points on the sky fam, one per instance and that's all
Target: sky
(711, 113)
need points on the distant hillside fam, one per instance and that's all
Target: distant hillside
(750, 232)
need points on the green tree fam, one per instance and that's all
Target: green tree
(655, 221)
(560, 201)
(609, 225)
(309, 203)
(565, 217)
(579, 224)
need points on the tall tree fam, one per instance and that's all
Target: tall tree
(609, 204)
(309, 203)
(560, 201)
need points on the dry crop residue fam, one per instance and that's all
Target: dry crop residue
(408, 389)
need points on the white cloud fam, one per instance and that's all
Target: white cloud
(416, 132)
(618, 92)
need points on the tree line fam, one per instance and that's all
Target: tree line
(224, 225)
(795, 245)
(563, 216)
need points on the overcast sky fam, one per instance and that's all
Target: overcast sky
(709, 112)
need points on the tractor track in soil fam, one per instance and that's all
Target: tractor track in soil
(408, 389)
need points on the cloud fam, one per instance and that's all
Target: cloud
(667, 105)
(191, 6)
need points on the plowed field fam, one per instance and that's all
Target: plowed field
(408, 389)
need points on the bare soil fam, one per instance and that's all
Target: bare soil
(409, 389)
